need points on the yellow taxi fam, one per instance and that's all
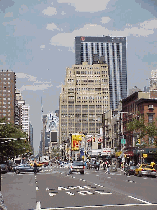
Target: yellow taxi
(38, 164)
(145, 170)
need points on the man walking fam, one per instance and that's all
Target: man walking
(35, 167)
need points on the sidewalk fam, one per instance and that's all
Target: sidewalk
(19, 191)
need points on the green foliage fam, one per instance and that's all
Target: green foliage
(17, 144)
(138, 125)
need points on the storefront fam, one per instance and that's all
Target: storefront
(129, 156)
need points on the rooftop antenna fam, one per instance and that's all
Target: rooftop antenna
(41, 105)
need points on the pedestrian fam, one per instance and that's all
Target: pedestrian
(98, 165)
(35, 167)
(108, 166)
(104, 165)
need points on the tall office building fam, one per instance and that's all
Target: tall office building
(83, 99)
(111, 50)
(7, 95)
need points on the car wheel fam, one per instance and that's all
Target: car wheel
(139, 174)
(17, 172)
(82, 172)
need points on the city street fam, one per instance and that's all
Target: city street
(53, 188)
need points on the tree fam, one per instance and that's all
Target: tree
(15, 140)
(138, 125)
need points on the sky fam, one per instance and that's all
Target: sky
(37, 43)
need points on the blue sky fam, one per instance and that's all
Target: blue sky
(39, 35)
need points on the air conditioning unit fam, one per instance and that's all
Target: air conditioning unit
(150, 106)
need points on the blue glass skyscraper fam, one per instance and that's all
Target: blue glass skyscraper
(111, 50)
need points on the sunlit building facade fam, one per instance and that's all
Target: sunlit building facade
(83, 99)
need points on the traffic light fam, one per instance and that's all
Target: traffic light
(139, 141)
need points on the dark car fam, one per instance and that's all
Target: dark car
(11, 165)
(77, 166)
(25, 168)
(130, 170)
(4, 168)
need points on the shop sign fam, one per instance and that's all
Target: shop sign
(145, 155)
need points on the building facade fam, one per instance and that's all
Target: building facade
(7, 95)
(83, 99)
(110, 50)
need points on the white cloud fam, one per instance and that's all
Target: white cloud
(50, 11)
(37, 85)
(105, 20)
(141, 29)
(87, 5)
(52, 27)
(8, 14)
(23, 76)
(42, 46)
(33, 87)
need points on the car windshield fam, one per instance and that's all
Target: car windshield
(77, 163)
(143, 166)
(149, 167)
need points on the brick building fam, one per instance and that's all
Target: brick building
(7, 95)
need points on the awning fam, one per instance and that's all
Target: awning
(129, 153)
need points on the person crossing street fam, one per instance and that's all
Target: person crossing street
(35, 167)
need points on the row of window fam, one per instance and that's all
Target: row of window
(91, 72)
(88, 67)
(4, 78)
(4, 89)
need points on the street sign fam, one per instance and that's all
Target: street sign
(123, 141)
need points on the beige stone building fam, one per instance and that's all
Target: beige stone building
(83, 99)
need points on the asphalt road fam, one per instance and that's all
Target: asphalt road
(53, 188)
(95, 189)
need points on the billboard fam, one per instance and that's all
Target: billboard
(53, 136)
(75, 142)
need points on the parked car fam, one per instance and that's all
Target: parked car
(25, 168)
(77, 166)
(4, 168)
(130, 170)
(145, 170)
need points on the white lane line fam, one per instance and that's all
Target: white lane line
(69, 193)
(52, 194)
(147, 202)
(101, 206)
(38, 205)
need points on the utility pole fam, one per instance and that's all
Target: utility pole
(103, 124)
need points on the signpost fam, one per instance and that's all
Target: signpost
(123, 141)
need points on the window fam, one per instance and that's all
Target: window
(99, 145)
(150, 118)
